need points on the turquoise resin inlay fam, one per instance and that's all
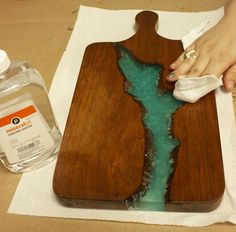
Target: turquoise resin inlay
(158, 109)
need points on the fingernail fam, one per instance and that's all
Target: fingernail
(171, 75)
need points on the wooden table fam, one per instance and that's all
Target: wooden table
(38, 31)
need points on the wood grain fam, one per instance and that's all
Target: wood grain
(103, 133)
(102, 152)
(197, 183)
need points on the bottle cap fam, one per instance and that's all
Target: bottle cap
(4, 61)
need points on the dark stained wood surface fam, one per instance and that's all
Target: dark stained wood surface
(197, 183)
(102, 152)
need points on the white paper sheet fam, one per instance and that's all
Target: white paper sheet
(34, 195)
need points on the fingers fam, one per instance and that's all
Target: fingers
(203, 66)
(181, 58)
(230, 78)
(183, 64)
(182, 69)
(197, 64)
(216, 66)
(179, 61)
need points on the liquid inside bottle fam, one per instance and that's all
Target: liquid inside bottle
(29, 135)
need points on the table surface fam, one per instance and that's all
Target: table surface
(38, 32)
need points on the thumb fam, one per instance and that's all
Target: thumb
(230, 78)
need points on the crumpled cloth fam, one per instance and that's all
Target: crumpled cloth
(191, 89)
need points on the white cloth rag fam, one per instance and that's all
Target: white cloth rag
(191, 89)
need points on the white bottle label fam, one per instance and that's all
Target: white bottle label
(23, 133)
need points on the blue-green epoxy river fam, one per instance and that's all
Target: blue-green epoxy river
(158, 109)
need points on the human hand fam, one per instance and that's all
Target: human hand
(213, 53)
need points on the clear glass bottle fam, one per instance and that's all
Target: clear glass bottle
(29, 135)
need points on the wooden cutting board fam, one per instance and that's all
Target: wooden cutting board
(106, 156)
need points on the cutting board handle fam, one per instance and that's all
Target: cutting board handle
(146, 22)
